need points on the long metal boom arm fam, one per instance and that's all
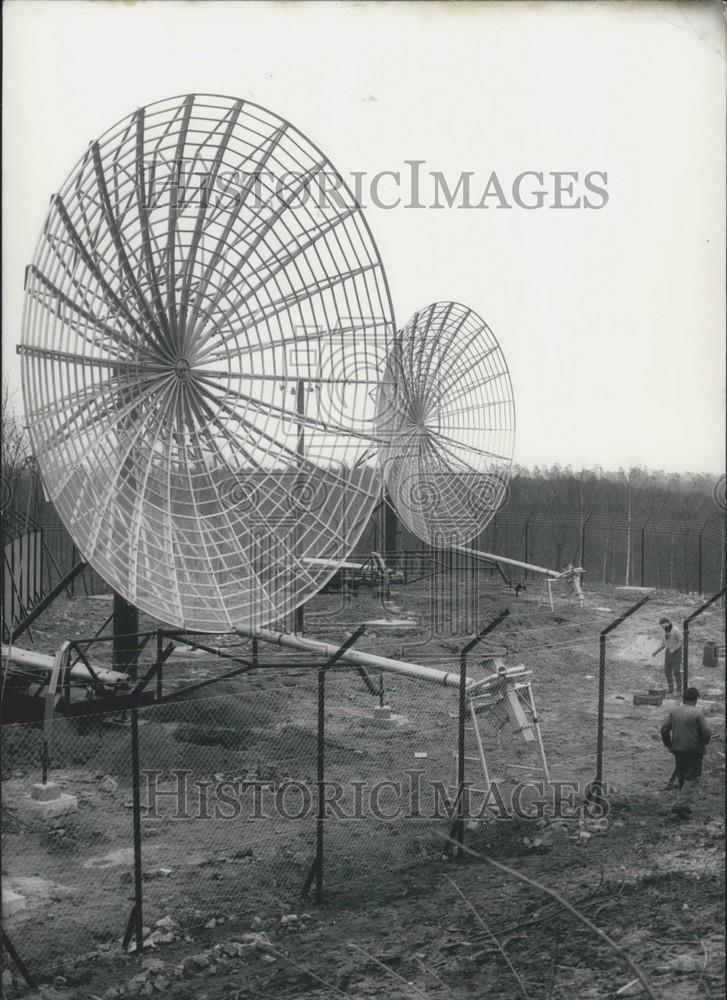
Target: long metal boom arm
(490, 557)
(31, 659)
(360, 659)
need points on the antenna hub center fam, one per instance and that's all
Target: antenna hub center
(182, 368)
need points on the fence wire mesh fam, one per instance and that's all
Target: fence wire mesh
(229, 779)
(395, 760)
(229, 802)
(74, 871)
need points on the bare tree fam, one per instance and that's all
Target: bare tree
(16, 454)
(632, 478)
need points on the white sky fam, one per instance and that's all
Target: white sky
(612, 321)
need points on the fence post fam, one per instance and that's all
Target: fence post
(44, 762)
(136, 797)
(19, 963)
(320, 777)
(459, 826)
(391, 524)
(685, 664)
(643, 547)
(457, 832)
(160, 661)
(685, 630)
(316, 869)
(56, 681)
(127, 648)
(598, 783)
(584, 525)
(601, 707)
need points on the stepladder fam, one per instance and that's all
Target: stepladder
(571, 579)
(503, 739)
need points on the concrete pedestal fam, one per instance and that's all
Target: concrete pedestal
(48, 801)
(53, 808)
(384, 718)
(44, 793)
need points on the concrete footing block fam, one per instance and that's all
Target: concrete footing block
(45, 793)
(52, 808)
(384, 718)
(12, 903)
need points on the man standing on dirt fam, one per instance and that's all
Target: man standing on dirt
(672, 644)
(686, 734)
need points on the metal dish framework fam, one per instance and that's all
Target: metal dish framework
(206, 319)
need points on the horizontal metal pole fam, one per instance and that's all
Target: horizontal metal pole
(31, 660)
(359, 659)
(333, 563)
(490, 557)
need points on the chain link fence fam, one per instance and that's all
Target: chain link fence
(73, 872)
(229, 803)
(230, 777)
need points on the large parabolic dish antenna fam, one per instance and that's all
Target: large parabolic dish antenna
(446, 421)
(206, 321)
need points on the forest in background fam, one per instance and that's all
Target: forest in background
(635, 526)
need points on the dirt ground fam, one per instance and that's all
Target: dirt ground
(399, 917)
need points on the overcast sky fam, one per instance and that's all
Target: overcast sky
(611, 318)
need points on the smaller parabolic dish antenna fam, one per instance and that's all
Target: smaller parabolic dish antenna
(446, 424)
(206, 319)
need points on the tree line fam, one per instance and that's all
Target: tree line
(630, 527)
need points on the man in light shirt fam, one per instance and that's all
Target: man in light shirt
(672, 644)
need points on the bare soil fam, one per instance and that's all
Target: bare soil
(391, 922)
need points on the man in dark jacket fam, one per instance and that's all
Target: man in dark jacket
(686, 734)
